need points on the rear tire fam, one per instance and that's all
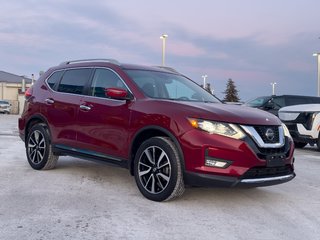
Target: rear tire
(157, 170)
(39, 149)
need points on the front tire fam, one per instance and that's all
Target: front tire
(38, 148)
(157, 170)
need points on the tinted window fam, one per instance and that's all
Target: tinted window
(54, 78)
(278, 102)
(315, 100)
(297, 100)
(257, 102)
(73, 81)
(104, 78)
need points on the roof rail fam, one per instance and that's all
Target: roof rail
(168, 68)
(91, 60)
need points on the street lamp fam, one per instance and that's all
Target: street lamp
(32, 79)
(163, 37)
(318, 57)
(204, 80)
(273, 84)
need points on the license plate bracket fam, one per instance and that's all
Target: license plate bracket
(276, 161)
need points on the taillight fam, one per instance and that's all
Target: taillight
(28, 93)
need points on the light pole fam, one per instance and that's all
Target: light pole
(318, 57)
(204, 80)
(163, 37)
(273, 84)
(32, 79)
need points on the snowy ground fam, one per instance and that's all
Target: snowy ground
(83, 200)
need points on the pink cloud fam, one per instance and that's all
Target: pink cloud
(180, 48)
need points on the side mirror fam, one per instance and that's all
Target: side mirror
(118, 93)
(269, 105)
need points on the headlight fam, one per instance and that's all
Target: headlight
(286, 131)
(224, 129)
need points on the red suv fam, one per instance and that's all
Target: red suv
(156, 122)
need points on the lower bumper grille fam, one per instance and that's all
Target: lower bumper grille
(263, 172)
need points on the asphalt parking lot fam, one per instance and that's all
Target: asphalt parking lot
(84, 200)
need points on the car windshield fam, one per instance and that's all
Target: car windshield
(257, 102)
(169, 86)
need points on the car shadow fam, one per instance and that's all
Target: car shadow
(119, 179)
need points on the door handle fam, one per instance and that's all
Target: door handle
(85, 107)
(49, 101)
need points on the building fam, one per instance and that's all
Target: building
(12, 88)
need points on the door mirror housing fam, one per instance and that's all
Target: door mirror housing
(118, 93)
(269, 105)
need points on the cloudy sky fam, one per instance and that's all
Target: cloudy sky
(253, 42)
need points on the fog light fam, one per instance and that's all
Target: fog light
(217, 163)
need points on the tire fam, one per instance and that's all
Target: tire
(157, 170)
(318, 142)
(299, 144)
(39, 148)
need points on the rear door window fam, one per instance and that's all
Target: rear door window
(315, 100)
(297, 100)
(74, 81)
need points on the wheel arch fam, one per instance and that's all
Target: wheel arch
(36, 119)
(149, 132)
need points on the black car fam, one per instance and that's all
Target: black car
(273, 103)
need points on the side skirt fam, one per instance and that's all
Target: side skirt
(89, 155)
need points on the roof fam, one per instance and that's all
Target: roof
(12, 78)
(151, 68)
(108, 63)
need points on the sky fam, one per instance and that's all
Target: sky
(253, 42)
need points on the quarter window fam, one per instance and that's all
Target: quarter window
(54, 78)
(74, 80)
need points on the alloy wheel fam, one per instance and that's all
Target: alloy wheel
(36, 147)
(154, 169)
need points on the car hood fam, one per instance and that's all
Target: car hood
(301, 108)
(226, 113)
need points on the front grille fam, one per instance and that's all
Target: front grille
(264, 131)
(265, 152)
(262, 172)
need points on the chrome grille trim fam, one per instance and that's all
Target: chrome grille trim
(251, 131)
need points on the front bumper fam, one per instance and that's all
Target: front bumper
(5, 110)
(206, 180)
(247, 163)
(297, 136)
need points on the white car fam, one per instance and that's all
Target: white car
(5, 107)
(303, 122)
